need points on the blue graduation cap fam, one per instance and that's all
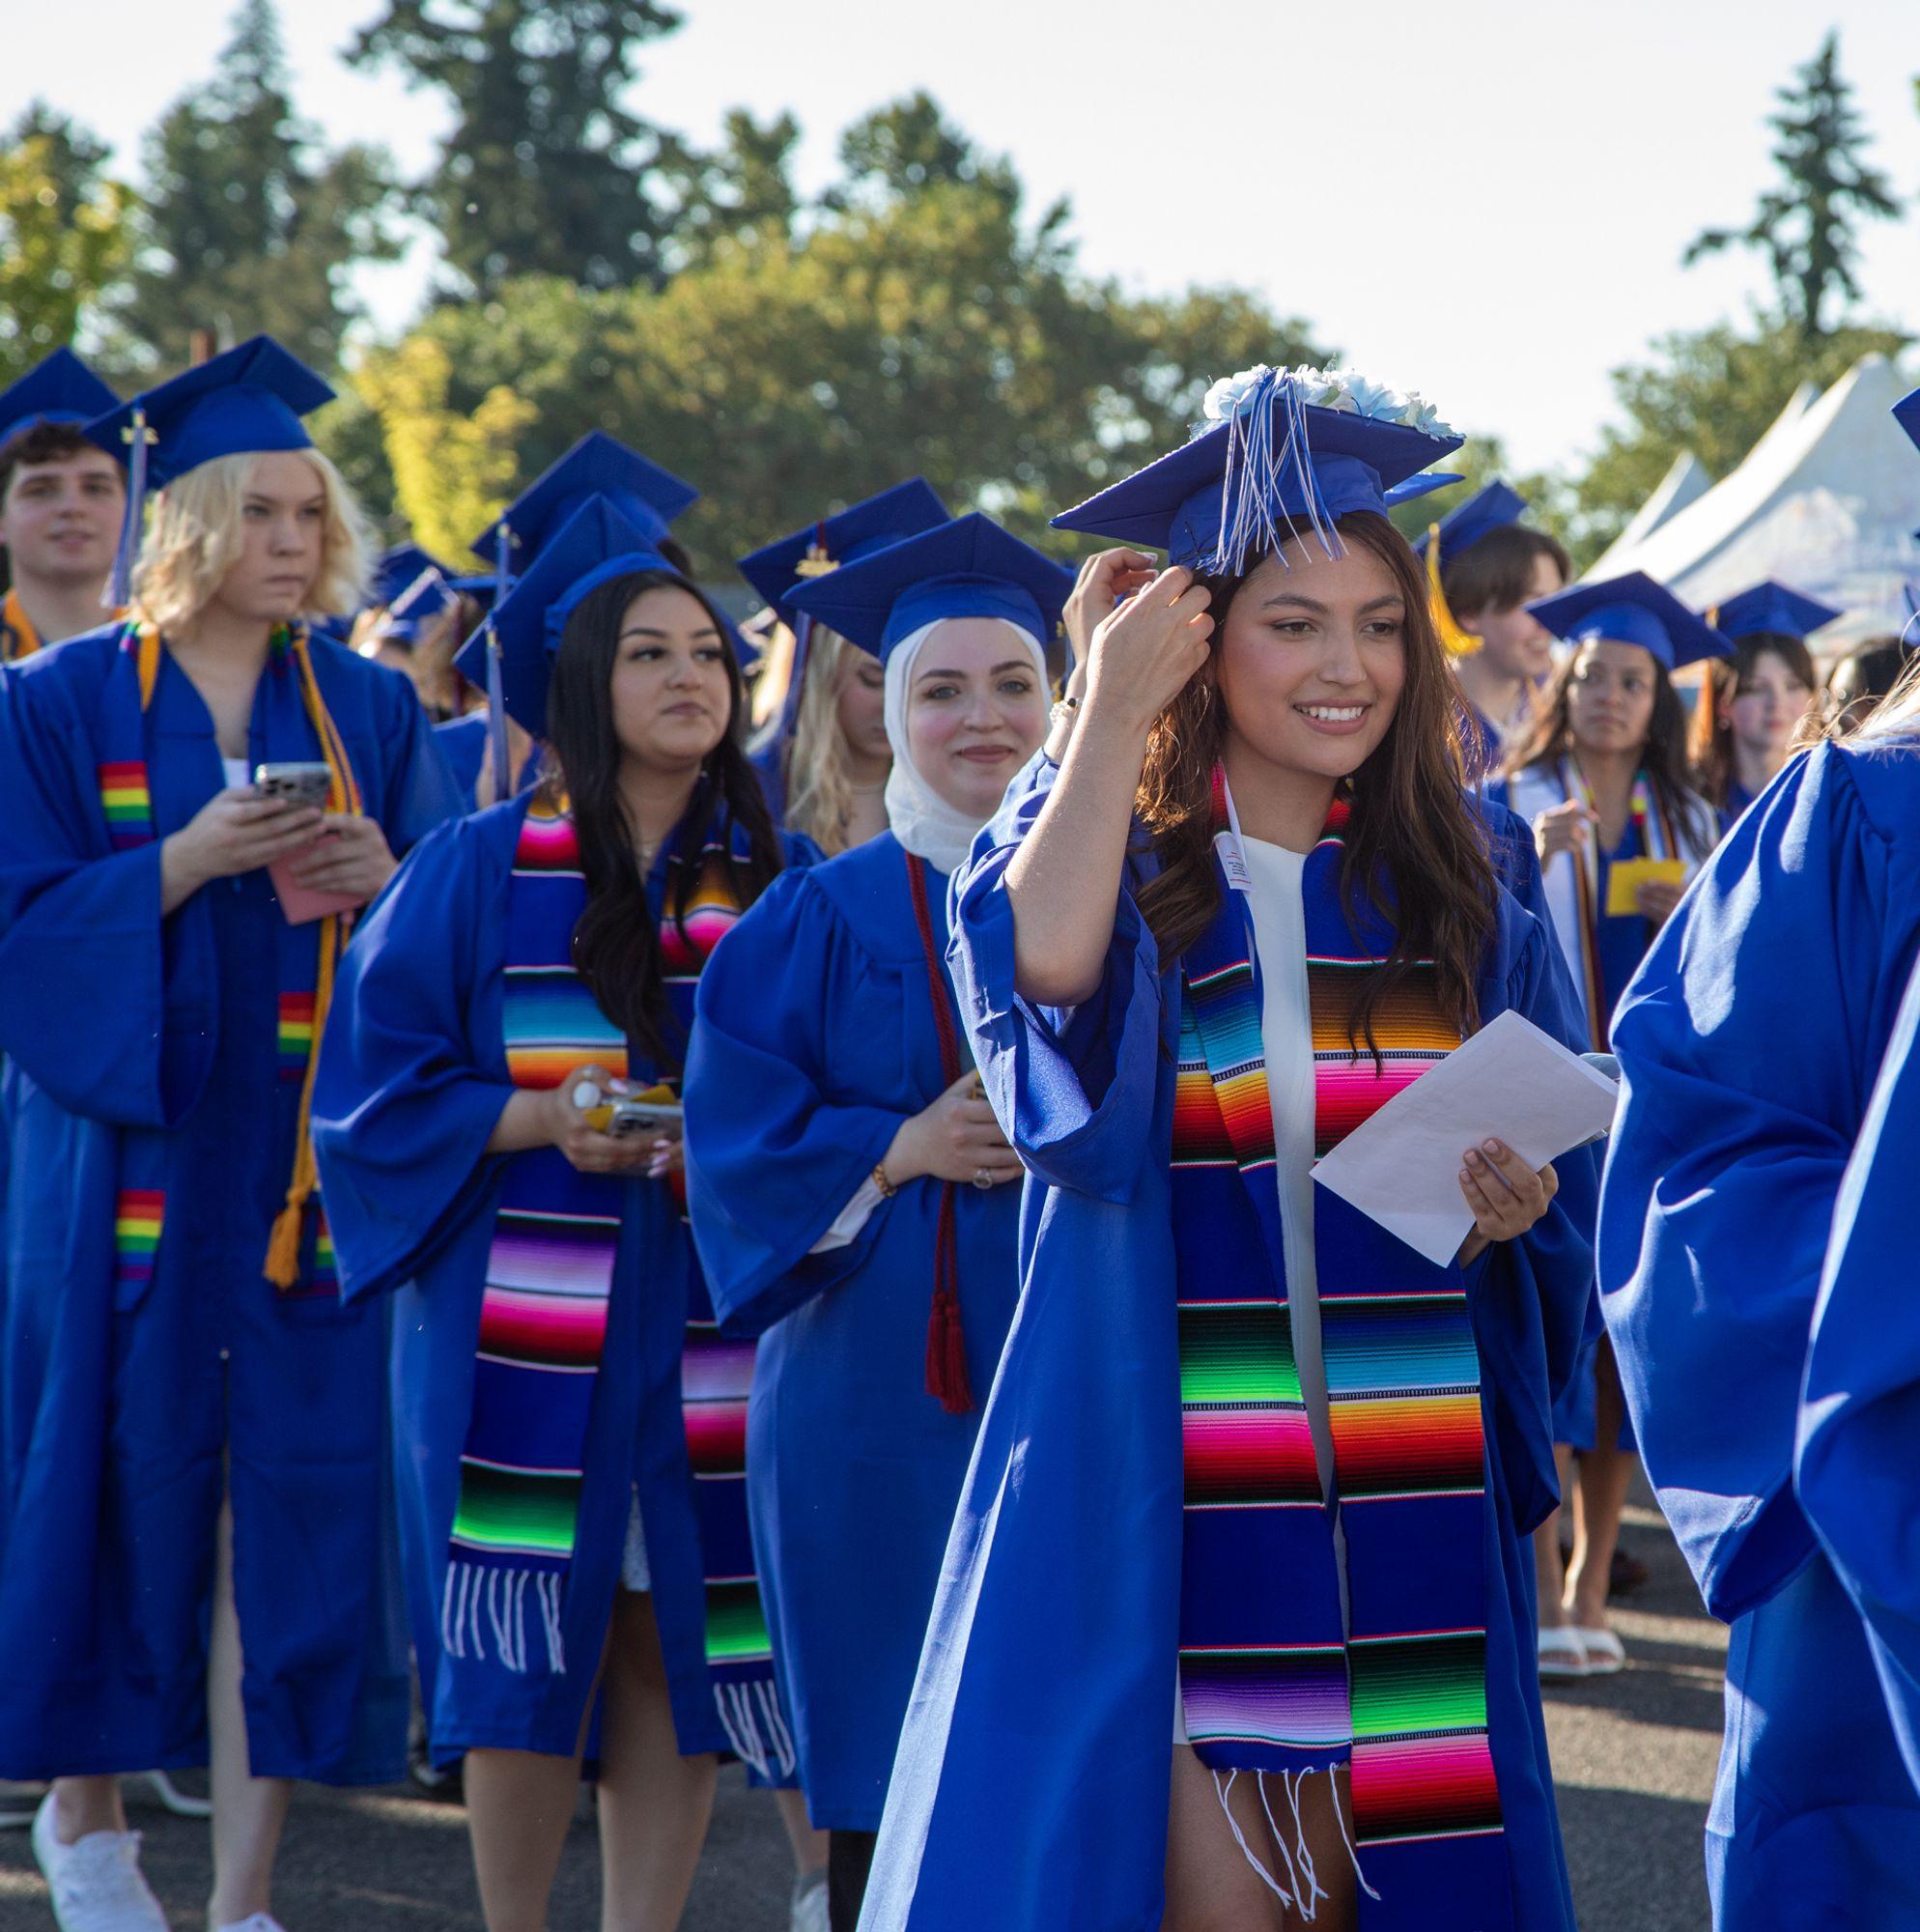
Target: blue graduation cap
(1290, 451)
(59, 389)
(1906, 414)
(512, 653)
(399, 569)
(967, 568)
(1491, 507)
(648, 496)
(1631, 610)
(778, 569)
(1771, 607)
(483, 586)
(250, 397)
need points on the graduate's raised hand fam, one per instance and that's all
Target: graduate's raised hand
(1106, 577)
(1506, 1196)
(956, 1139)
(236, 831)
(1143, 654)
(350, 856)
(1564, 828)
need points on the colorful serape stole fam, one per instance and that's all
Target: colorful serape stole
(307, 959)
(1272, 1679)
(137, 1216)
(543, 1309)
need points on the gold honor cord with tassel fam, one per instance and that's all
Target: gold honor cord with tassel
(342, 794)
(1454, 642)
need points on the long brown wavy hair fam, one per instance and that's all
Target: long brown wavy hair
(1417, 853)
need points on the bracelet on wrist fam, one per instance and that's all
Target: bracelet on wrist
(886, 1188)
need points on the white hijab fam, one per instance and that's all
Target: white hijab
(920, 819)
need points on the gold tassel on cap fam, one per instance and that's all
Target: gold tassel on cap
(1454, 642)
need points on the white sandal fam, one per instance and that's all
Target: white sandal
(1562, 1655)
(1606, 1654)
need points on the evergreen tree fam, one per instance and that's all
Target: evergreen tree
(250, 225)
(545, 169)
(1807, 226)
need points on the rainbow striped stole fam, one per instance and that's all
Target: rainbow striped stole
(542, 1306)
(138, 1213)
(1272, 1678)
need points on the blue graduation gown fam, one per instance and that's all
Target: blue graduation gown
(132, 1035)
(853, 1468)
(1857, 1458)
(1030, 1787)
(411, 1083)
(1750, 1040)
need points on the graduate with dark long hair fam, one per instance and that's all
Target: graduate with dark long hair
(1235, 1624)
(195, 1465)
(568, 1422)
(849, 1187)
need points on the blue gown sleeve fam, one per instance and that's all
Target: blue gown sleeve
(404, 1099)
(1073, 1091)
(1533, 1301)
(112, 1008)
(1740, 1039)
(1858, 1477)
(419, 790)
(778, 1142)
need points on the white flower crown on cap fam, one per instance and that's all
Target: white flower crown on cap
(1346, 389)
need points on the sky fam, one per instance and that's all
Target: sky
(1485, 201)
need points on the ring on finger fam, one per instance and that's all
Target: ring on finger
(983, 1179)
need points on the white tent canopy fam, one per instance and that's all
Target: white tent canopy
(1827, 502)
(1685, 482)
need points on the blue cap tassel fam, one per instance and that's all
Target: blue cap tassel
(120, 587)
(497, 703)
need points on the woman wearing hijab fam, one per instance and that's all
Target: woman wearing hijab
(849, 1188)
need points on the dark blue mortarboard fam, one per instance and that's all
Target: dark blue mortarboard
(648, 496)
(1771, 607)
(251, 398)
(967, 568)
(594, 545)
(1491, 507)
(59, 389)
(399, 569)
(778, 569)
(1906, 414)
(1277, 464)
(1630, 609)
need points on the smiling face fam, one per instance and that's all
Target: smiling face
(1311, 661)
(282, 539)
(976, 711)
(1610, 699)
(670, 690)
(60, 523)
(1514, 642)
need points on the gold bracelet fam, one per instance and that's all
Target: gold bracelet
(879, 1178)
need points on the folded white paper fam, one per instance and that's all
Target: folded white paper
(1511, 1081)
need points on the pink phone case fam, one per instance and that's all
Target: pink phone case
(302, 905)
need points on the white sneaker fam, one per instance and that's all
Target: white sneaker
(259, 1921)
(95, 1881)
(809, 1906)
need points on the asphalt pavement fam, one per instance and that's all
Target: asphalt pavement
(1633, 1755)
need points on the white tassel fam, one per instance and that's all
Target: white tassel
(1316, 1892)
(1240, 1837)
(1349, 1843)
(548, 1588)
(742, 1733)
(776, 1726)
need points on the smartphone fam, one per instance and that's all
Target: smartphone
(633, 1115)
(305, 783)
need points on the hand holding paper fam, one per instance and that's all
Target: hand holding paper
(1627, 876)
(1511, 1081)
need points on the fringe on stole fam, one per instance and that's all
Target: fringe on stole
(479, 1598)
(1308, 1890)
(750, 1710)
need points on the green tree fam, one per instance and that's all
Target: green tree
(249, 223)
(914, 326)
(64, 239)
(1713, 391)
(545, 170)
(1807, 226)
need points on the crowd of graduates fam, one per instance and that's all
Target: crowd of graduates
(592, 1190)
